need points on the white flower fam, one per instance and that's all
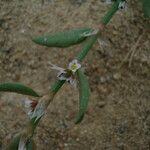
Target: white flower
(67, 74)
(74, 65)
(122, 5)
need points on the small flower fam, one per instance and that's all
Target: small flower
(74, 65)
(29, 105)
(67, 74)
(122, 5)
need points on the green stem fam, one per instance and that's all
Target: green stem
(107, 17)
(57, 85)
(87, 46)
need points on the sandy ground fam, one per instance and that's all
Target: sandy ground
(118, 116)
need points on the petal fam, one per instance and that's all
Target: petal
(72, 81)
(56, 67)
(78, 65)
(38, 112)
(61, 75)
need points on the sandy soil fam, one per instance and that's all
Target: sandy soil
(118, 116)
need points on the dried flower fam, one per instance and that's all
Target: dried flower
(33, 108)
(38, 112)
(122, 5)
(29, 105)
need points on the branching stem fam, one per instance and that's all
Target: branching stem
(81, 55)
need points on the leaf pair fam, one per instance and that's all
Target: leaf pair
(18, 88)
(63, 39)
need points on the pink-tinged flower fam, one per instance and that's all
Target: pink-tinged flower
(29, 105)
(69, 73)
(33, 108)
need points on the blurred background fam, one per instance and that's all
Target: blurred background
(118, 67)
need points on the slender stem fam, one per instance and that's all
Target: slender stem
(89, 43)
(86, 47)
(57, 85)
(107, 17)
(81, 55)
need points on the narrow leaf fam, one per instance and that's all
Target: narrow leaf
(14, 143)
(84, 95)
(146, 8)
(63, 39)
(17, 88)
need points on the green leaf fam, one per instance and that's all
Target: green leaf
(17, 88)
(110, 13)
(14, 143)
(63, 39)
(146, 8)
(84, 95)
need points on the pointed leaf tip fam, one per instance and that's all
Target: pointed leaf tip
(84, 90)
(18, 88)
